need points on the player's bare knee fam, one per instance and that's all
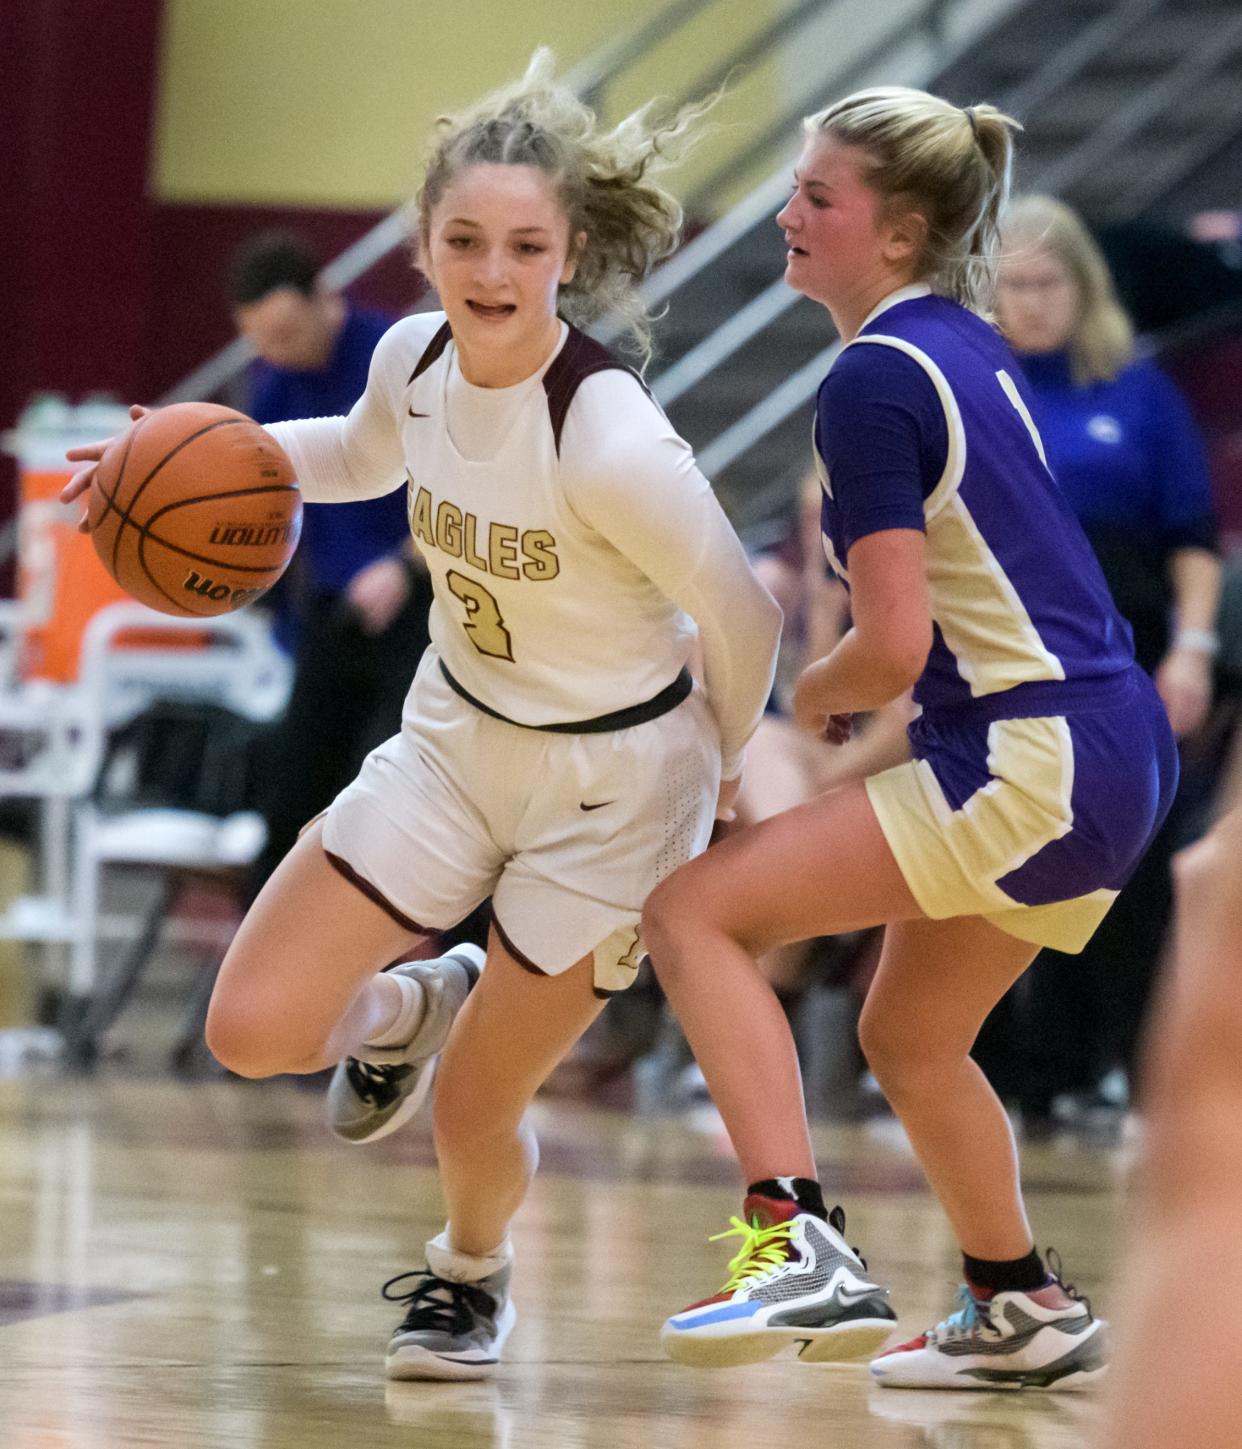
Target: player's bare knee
(245, 1043)
(662, 915)
(893, 1056)
(672, 911)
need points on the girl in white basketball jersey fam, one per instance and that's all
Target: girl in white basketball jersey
(555, 754)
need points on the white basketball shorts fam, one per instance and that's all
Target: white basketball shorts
(568, 833)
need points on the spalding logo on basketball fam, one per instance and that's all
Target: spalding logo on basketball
(195, 510)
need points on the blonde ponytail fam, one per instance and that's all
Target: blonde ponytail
(951, 164)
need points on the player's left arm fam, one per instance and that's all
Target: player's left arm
(634, 480)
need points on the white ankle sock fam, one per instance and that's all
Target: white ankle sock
(400, 1030)
(446, 1261)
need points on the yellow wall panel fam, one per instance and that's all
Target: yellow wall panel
(329, 102)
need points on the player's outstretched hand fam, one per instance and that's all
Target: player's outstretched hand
(90, 454)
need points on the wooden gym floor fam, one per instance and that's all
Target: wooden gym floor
(198, 1266)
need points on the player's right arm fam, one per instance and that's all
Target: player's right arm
(881, 433)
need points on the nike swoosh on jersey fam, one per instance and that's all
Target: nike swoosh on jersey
(413, 414)
(600, 806)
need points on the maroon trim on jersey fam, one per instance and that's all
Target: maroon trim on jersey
(434, 348)
(522, 960)
(577, 360)
(372, 893)
(574, 363)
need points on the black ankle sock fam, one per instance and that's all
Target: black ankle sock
(1010, 1275)
(805, 1191)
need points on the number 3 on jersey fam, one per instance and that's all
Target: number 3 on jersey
(483, 622)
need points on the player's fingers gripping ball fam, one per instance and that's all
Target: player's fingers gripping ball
(195, 510)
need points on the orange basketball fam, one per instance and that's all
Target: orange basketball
(195, 510)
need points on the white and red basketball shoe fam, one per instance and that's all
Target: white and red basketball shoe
(1046, 1339)
(794, 1281)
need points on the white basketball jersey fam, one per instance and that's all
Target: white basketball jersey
(568, 532)
(536, 613)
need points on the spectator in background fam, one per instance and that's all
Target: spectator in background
(1125, 450)
(355, 609)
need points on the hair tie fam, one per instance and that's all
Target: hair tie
(969, 113)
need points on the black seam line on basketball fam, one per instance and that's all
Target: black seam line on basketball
(172, 599)
(146, 530)
(181, 603)
(144, 534)
(124, 514)
(144, 537)
(110, 503)
(184, 443)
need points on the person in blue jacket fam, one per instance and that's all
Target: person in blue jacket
(1127, 454)
(355, 611)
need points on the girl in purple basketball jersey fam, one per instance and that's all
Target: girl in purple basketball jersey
(1042, 765)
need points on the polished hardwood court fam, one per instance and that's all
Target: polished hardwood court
(198, 1265)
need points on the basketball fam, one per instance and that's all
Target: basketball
(195, 511)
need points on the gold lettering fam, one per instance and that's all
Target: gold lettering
(539, 550)
(469, 552)
(448, 528)
(420, 517)
(483, 622)
(502, 550)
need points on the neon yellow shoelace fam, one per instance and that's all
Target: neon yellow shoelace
(762, 1249)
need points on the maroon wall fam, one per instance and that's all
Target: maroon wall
(77, 85)
(105, 288)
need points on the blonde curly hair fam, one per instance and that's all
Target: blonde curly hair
(602, 181)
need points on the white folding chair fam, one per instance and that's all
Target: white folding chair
(228, 661)
(39, 762)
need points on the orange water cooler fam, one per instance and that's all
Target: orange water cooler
(60, 581)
